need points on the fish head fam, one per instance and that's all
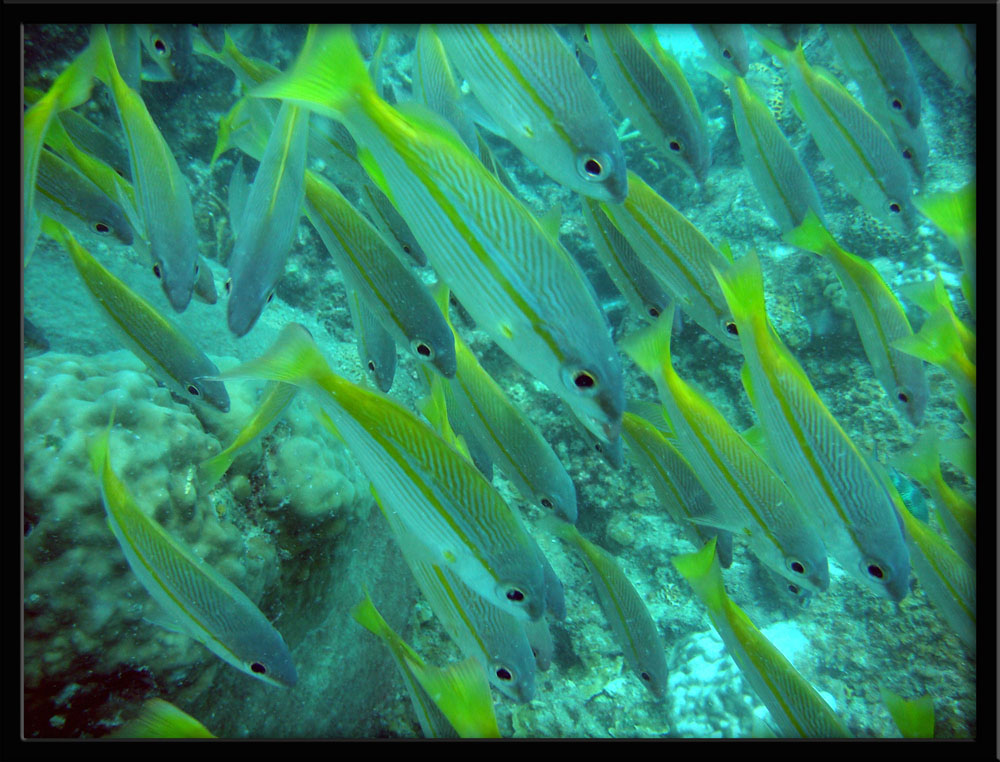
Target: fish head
(887, 571)
(247, 299)
(911, 403)
(513, 675)
(520, 587)
(652, 678)
(115, 225)
(210, 391)
(594, 392)
(903, 102)
(560, 500)
(806, 567)
(176, 280)
(602, 173)
(437, 348)
(169, 45)
(264, 655)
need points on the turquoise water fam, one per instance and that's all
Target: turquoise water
(293, 523)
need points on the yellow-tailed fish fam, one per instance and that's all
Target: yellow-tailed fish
(674, 482)
(162, 197)
(727, 44)
(379, 209)
(433, 723)
(478, 405)
(954, 214)
(939, 343)
(434, 407)
(878, 315)
(495, 638)
(811, 450)
(948, 580)
(957, 515)
(168, 353)
(649, 88)
(795, 706)
(436, 492)
(67, 195)
(518, 284)
(71, 88)
(434, 85)
(913, 717)
(276, 397)
(750, 498)
(952, 47)
(209, 608)
(678, 255)
(459, 691)
(783, 183)
(932, 296)
(393, 293)
(161, 719)
(641, 290)
(961, 453)
(269, 222)
(864, 158)
(529, 83)
(376, 345)
(625, 611)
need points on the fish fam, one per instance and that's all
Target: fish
(480, 409)
(208, 607)
(796, 707)
(649, 88)
(275, 398)
(674, 482)
(33, 339)
(376, 345)
(436, 492)
(954, 214)
(810, 448)
(644, 294)
(125, 45)
(518, 284)
(952, 48)
(726, 44)
(878, 315)
(529, 82)
(161, 345)
(269, 222)
(495, 638)
(542, 646)
(677, 254)
(785, 35)
(914, 717)
(434, 85)
(162, 196)
(459, 692)
(65, 194)
(391, 291)
(750, 498)
(170, 47)
(784, 184)
(625, 611)
(864, 158)
(161, 719)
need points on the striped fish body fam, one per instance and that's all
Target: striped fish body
(529, 83)
(796, 707)
(952, 47)
(162, 197)
(210, 608)
(783, 183)
(677, 254)
(864, 158)
(394, 295)
(68, 196)
(812, 451)
(434, 85)
(165, 349)
(653, 94)
(270, 220)
(644, 294)
(675, 483)
(879, 317)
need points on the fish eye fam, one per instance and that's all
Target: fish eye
(422, 348)
(895, 208)
(406, 248)
(514, 595)
(793, 589)
(726, 54)
(371, 365)
(653, 311)
(675, 145)
(258, 669)
(197, 269)
(586, 38)
(597, 446)
(193, 390)
(876, 571)
(504, 674)
(896, 104)
(577, 50)
(270, 296)
(903, 397)
(156, 271)
(546, 503)
(646, 676)
(907, 154)
(731, 328)
(228, 285)
(102, 228)
(161, 47)
(593, 167)
(797, 567)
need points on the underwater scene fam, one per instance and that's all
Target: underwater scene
(521, 381)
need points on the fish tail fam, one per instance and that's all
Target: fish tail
(293, 358)
(329, 75)
(105, 67)
(922, 462)
(161, 719)
(100, 448)
(650, 347)
(812, 236)
(702, 571)
(214, 468)
(743, 287)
